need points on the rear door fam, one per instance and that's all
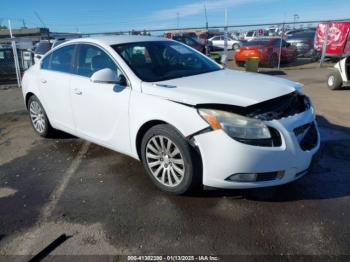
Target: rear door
(54, 81)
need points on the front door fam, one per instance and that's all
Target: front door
(100, 110)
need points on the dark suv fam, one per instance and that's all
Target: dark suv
(304, 42)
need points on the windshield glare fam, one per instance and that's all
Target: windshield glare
(155, 61)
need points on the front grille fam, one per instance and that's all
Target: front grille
(307, 136)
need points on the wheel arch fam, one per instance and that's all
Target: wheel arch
(142, 131)
(148, 125)
(28, 95)
(196, 153)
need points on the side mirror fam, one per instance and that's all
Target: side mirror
(107, 76)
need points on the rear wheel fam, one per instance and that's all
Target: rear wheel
(38, 117)
(235, 46)
(169, 160)
(334, 80)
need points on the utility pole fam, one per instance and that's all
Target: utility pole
(224, 57)
(15, 56)
(177, 20)
(295, 18)
(207, 30)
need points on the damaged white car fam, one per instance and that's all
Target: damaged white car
(188, 120)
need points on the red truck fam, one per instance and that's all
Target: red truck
(338, 41)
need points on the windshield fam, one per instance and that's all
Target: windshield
(163, 60)
(256, 42)
(42, 48)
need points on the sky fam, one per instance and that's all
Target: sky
(107, 15)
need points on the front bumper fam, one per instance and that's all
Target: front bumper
(223, 156)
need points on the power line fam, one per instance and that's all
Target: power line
(39, 18)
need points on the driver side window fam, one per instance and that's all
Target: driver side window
(91, 59)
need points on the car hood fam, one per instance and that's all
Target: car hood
(222, 87)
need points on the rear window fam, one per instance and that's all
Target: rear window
(42, 48)
(256, 42)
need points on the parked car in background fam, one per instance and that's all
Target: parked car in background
(7, 64)
(203, 37)
(190, 42)
(267, 50)
(41, 49)
(304, 43)
(188, 120)
(250, 35)
(338, 42)
(46, 45)
(219, 41)
(260, 33)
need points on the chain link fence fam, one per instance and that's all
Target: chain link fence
(283, 45)
(15, 57)
(302, 44)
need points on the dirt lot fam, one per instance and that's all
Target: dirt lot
(105, 203)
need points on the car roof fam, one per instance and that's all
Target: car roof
(117, 39)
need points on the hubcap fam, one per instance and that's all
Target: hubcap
(331, 80)
(37, 116)
(165, 161)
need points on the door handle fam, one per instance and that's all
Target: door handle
(43, 81)
(78, 91)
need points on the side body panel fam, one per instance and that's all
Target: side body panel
(145, 108)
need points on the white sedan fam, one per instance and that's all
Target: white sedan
(219, 41)
(188, 120)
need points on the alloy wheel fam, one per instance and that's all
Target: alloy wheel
(37, 116)
(331, 80)
(165, 161)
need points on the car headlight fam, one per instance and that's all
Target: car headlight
(236, 126)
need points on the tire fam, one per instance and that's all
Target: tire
(176, 174)
(38, 117)
(334, 80)
(235, 46)
(240, 63)
(273, 60)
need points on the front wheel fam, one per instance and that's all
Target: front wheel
(38, 117)
(334, 80)
(169, 160)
